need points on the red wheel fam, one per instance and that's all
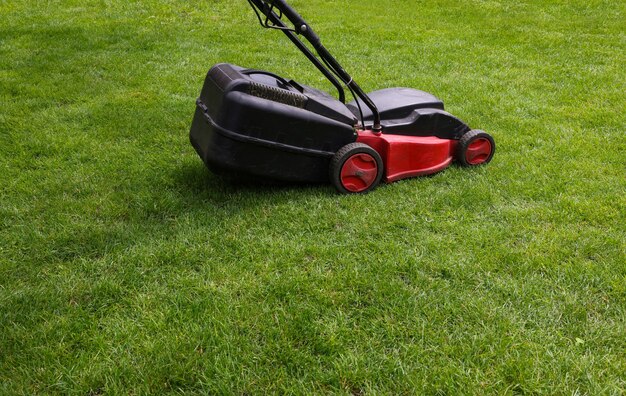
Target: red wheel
(475, 148)
(356, 168)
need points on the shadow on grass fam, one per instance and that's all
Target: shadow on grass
(196, 184)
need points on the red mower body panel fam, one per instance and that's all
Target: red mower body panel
(409, 156)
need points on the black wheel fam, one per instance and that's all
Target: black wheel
(475, 148)
(356, 168)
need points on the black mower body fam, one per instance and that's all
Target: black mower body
(251, 122)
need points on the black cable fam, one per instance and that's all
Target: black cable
(347, 83)
(266, 24)
(256, 12)
(356, 100)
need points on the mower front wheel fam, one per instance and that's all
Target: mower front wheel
(356, 168)
(475, 148)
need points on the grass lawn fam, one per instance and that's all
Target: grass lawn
(126, 267)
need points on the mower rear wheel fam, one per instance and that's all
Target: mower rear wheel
(475, 148)
(356, 168)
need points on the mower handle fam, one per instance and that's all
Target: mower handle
(303, 28)
(300, 25)
(277, 23)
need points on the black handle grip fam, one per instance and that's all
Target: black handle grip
(301, 26)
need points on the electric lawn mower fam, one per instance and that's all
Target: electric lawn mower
(251, 122)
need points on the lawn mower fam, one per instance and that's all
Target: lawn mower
(254, 123)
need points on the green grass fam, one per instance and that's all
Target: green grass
(127, 268)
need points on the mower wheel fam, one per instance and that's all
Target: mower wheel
(356, 168)
(475, 148)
